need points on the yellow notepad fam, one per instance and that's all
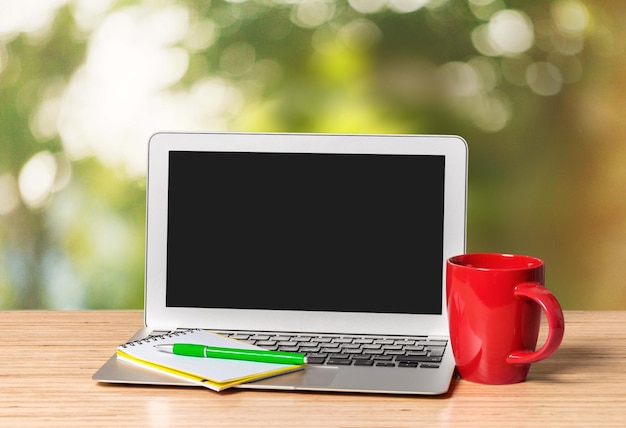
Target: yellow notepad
(214, 373)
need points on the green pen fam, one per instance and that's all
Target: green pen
(258, 355)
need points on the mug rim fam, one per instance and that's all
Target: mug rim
(495, 261)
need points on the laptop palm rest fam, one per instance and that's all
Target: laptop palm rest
(310, 378)
(355, 379)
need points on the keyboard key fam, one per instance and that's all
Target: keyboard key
(429, 366)
(351, 346)
(437, 352)
(341, 340)
(321, 339)
(339, 362)
(317, 355)
(280, 338)
(289, 348)
(373, 351)
(392, 347)
(361, 357)
(398, 352)
(382, 357)
(260, 337)
(418, 359)
(414, 348)
(433, 343)
(372, 346)
(339, 357)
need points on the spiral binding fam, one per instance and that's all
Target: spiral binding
(159, 337)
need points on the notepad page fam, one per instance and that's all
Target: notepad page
(217, 371)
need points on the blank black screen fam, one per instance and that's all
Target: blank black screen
(316, 232)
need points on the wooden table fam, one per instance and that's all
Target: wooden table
(47, 359)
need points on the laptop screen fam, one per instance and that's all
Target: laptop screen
(304, 231)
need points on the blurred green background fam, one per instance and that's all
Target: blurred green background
(537, 88)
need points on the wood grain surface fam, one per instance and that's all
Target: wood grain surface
(47, 359)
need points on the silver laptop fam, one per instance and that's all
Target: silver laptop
(331, 245)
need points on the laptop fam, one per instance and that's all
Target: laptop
(332, 245)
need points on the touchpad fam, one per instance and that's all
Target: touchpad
(311, 376)
(318, 376)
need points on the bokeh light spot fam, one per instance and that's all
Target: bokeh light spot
(570, 16)
(312, 13)
(544, 78)
(511, 32)
(367, 6)
(36, 179)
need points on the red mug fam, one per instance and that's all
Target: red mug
(494, 305)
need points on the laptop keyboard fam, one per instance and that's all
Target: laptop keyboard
(345, 350)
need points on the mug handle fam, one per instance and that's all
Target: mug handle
(556, 323)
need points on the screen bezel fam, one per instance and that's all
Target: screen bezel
(158, 315)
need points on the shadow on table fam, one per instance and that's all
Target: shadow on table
(567, 359)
